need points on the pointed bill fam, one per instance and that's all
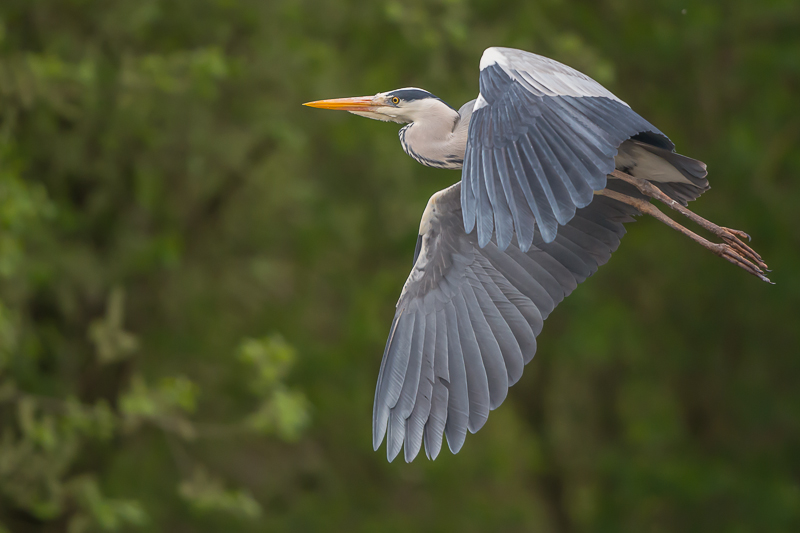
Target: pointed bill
(358, 103)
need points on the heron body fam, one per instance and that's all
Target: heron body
(534, 215)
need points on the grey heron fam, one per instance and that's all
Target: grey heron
(552, 165)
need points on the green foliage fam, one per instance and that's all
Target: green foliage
(166, 204)
(112, 342)
(101, 513)
(281, 411)
(207, 494)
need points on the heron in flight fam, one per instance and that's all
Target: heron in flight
(552, 165)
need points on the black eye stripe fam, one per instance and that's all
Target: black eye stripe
(409, 95)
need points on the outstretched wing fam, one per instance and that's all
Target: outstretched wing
(468, 317)
(541, 140)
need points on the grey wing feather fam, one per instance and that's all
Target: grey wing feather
(434, 426)
(468, 317)
(405, 403)
(415, 426)
(477, 381)
(551, 130)
(478, 305)
(458, 406)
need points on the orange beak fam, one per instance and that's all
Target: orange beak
(359, 103)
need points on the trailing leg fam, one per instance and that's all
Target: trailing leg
(733, 250)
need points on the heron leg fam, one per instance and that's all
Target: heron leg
(733, 237)
(732, 252)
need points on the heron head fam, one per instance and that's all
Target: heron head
(401, 105)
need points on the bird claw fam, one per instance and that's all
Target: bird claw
(733, 255)
(738, 233)
(731, 237)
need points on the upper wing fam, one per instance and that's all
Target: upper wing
(468, 317)
(542, 139)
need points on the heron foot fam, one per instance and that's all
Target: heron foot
(733, 237)
(731, 254)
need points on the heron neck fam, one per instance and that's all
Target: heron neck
(437, 142)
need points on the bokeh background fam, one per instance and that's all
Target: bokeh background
(197, 274)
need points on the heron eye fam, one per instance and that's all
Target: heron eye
(395, 100)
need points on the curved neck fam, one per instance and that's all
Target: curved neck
(436, 140)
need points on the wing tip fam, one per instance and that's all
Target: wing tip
(380, 421)
(410, 454)
(455, 444)
(432, 452)
(483, 238)
(393, 450)
(548, 232)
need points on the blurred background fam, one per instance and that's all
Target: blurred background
(198, 274)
